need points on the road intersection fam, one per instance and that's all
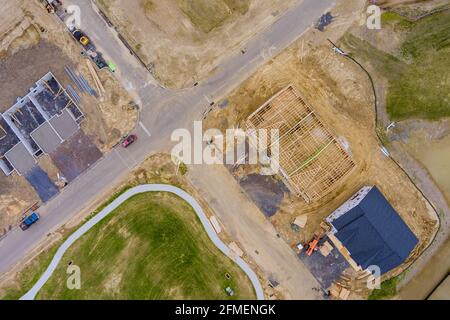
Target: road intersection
(161, 111)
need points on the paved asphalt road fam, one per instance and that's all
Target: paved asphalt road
(254, 233)
(31, 294)
(162, 111)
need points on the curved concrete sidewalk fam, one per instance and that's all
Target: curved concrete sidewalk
(30, 295)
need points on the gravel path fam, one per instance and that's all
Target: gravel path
(30, 295)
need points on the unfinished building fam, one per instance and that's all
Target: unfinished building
(311, 161)
(38, 123)
(8, 139)
(368, 231)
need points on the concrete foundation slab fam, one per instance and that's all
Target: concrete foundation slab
(46, 138)
(64, 124)
(20, 158)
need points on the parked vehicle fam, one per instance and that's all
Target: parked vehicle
(84, 40)
(29, 221)
(81, 37)
(112, 67)
(229, 291)
(129, 140)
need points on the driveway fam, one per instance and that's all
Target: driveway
(256, 235)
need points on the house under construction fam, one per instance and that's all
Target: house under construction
(37, 124)
(311, 160)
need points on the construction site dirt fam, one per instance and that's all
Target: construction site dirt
(32, 44)
(20, 71)
(16, 195)
(342, 97)
(192, 37)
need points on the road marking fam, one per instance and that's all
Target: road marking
(122, 159)
(207, 99)
(144, 128)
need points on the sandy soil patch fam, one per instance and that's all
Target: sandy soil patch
(183, 41)
(32, 43)
(341, 95)
(16, 195)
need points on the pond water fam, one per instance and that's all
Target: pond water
(435, 156)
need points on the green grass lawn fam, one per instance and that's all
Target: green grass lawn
(152, 247)
(29, 275)
(388, 289)
(419, 75)
(209, 14)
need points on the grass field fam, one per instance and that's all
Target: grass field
(419, 77)
(148, 5)
(151, 247)
(27, 277)
(209, 14)
(387, 290)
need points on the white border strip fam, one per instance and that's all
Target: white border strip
(30, 295)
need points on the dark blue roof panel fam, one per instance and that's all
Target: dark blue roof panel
(374, 233)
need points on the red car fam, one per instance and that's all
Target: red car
(129, 140)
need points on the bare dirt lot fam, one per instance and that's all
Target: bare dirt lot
(16, 80)
(16, 195)
(32, 43)
(339, 92)
(185, 40)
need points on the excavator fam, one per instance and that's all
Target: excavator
(312, 246)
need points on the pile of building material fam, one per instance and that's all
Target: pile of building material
(326, 249)
(339, 292)
(81, 82)
(98, 83)
(216, 225)
(75, 96)
(301, 220)
(235, 249)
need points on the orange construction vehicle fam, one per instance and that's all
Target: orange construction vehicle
(311, 246)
